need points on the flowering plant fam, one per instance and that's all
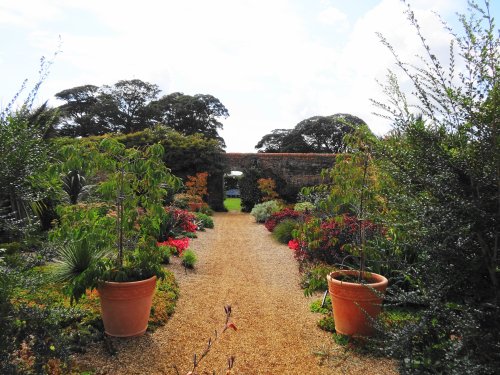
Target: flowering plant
(179, 244)
(176, 223)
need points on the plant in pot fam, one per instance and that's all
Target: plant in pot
(111, 245)
(356, 294)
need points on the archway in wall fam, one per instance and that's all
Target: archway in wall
(232, 194)
(293, 170)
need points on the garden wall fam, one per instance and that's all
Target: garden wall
(297, 170)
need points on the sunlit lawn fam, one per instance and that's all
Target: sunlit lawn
(233, 204)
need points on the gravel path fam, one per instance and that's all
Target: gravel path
(239, 264)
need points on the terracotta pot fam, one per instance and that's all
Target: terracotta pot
(125, 306)
(353, 304)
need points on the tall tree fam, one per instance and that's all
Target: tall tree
(79, 115)
(133, 105)
(318, 134)
(198, 114)
(131, 99)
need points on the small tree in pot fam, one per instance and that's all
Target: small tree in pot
(356, 294)
(132, 186)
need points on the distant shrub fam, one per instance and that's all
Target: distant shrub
(283, 231)
(204, 221)
(263, 211)
(182, 200)
(189, 259)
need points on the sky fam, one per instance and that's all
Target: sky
(272, 63)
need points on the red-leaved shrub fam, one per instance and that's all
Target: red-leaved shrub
(279, 216)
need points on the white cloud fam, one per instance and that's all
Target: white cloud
(333, 16)
(28, 13)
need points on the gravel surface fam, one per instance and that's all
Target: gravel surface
(239, 264)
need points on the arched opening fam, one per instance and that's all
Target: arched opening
(232, 195)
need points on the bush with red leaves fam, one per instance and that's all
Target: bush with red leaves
(280, 216)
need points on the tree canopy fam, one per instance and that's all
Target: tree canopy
(318, 134)
(198, 114)
(133, 105)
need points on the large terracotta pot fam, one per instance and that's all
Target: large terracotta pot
(125, 306)
(354, 305)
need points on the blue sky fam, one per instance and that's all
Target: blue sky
(272, 63)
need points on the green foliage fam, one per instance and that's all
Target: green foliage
(164, 300)
(25, 172)
(204, 221)
(134, 188)
(12, 247)
(304, 206)
(166, 253)
(318, 134)
(444, 203)
(327, 306)
(189, 258)
(263, 211)
(231, 182)
(73, 185)
(314, 279)
(249, 189)
(283, 231)
(51, 329)
(340, 339)
(74, 258)
(133, 105)
(327, 324)
(198, 114)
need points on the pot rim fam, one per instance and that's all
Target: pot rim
(130, 282)
(379, 279)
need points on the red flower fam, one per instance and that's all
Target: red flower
(294, 245)
(180, 244)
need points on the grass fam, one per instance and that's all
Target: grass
(232, 204)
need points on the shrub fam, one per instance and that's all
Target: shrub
(304, 206)
(166, 252)
(177, 223)
(329, 240)
(197, 185)
(204, 221)
(443, 156)
(178, 245)
(12, 247)
(314, 279)
(182, 200)
(267, 186)
(279, 216)
(189, 259)
(283, 231)
(263, 211)
(167, 293)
